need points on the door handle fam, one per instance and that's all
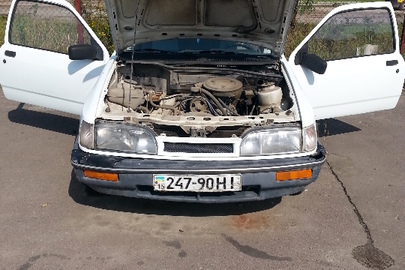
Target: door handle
(391, 63)
(10, 53)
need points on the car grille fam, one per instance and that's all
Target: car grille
(199, 148)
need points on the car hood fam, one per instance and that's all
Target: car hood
(262, 22)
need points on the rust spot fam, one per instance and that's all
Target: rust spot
(249, 222)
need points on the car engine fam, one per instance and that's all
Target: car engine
(198, 100)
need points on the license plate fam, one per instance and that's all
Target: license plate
(197, 183)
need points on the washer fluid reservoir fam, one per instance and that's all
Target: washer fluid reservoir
(270, 95)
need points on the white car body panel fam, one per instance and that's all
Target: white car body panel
(262, 22)
(49, 79)
(304, 105)
(95, 97)
(162, 133)
(54, 81)
(356, 85)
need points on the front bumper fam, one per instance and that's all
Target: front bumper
(136, 176)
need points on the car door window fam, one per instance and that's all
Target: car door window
(354, 34)
(47, 27)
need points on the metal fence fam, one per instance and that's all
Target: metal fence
(307, 16)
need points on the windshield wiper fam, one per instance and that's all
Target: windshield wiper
(230, 52)
(150, 51)
(216, 51)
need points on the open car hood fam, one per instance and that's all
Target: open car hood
(262, 22)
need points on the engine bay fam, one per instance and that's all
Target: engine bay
(183, 101)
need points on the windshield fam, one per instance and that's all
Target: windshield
(201, 45)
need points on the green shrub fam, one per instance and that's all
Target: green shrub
(3, 21)
(297, 33)
(55, 34)
(305, 6)
(96, 17)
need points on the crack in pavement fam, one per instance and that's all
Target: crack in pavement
(367, 255)
(355, 209)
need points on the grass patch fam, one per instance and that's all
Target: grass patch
(342, 2)
(36, 27)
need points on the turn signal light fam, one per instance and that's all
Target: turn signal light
(294, 175)
(101, 175)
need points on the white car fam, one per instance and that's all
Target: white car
(198, 103)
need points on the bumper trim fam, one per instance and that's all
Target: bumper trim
(136, 176)
(82, 160)
(223, 170)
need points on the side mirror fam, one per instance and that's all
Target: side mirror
(314, 63)
(82, 52)
(310, 61)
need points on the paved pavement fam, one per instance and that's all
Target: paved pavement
(353, 217)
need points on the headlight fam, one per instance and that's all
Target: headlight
(271, 142)
(310, 138)
(86, 136)
(126, 138)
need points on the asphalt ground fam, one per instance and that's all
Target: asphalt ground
(352, 217)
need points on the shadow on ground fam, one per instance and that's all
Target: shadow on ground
(53, 122)
(330, 127)
(84, 195)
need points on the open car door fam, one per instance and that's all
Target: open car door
(36, 68)
(358, 44)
